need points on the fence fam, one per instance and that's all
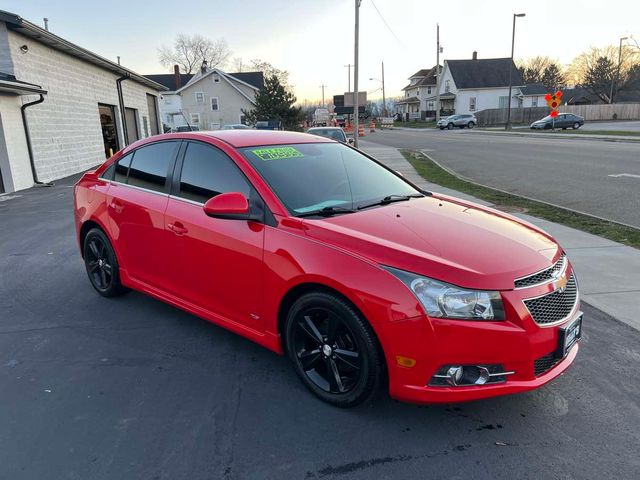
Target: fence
(616, 111)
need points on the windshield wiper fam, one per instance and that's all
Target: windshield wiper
(390, 199)
(326, 212)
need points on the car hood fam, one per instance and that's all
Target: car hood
(444, 238)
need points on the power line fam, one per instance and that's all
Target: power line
(386, 24)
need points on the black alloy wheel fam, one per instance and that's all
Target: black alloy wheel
(101, 264)
(333, 349)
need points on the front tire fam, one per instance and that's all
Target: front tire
(450, 126)
(471, 124)
(576, 126)
(101, 264)
(333, 349)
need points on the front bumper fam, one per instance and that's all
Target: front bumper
(515, 344)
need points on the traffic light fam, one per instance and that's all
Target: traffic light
(554, 102)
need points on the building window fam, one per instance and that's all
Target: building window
(431, 106)
(214, 103)
(407, 94)
(428, 90)
(195, 119)
(418, 93)
(534, 101)
(472, 104)
(216, 78)
(503, 102)
(243, 119)
(447, 86)
(214, 126)
(199, 97)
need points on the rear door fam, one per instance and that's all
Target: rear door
(136, 200)
(216, 263)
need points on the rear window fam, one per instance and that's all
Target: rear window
(150, 165)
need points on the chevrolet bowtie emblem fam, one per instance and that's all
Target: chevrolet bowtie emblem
(561, 283)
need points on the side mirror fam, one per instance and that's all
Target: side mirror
(350, 140)
(232, 205)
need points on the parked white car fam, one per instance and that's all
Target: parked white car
(459, 121)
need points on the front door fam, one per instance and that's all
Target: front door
(215, 264)
(133, 132)
(109, 131)
(136, 201)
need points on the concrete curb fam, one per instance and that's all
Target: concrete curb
(601, 138)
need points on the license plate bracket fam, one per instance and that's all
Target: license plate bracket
(568, 336)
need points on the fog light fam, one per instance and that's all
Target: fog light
(469, 375)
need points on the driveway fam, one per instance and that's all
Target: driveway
(95, 388)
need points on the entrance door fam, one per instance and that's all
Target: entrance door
(109, 131)
(152, 106)
(133, 133)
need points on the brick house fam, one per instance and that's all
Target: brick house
(64, 109)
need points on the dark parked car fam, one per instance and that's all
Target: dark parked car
(187, 128)
(563, 121)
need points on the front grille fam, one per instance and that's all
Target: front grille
(544, 364)
(555, 306)
(544, 276)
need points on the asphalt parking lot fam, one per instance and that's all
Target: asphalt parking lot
(95, 388)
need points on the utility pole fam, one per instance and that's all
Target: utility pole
(617, 77)
(513, 41)
(322, 87)
(356, 109)
(349, 77)
(438, 72)
(384, 98)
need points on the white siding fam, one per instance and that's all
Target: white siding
(485, 98)
(16, 170)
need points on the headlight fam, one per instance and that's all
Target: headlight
(444, 300)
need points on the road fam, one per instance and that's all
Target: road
(623, 125)
(95, 388)
(596, 177)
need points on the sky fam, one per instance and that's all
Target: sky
(314, 39)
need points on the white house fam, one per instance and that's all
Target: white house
(532, 95)
(170, 103)
(64, 109)
(414, 104)
(468, 86)
(213, 98)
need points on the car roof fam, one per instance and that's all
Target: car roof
(325, 128)
(249, 138)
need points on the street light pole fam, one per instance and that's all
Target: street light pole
(513, 41)
(322, 87)
(349, 77)
(438, 73)
(617, 77)
(356, 113)
(384, 99)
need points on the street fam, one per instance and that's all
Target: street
(133, 388)
(596, 177)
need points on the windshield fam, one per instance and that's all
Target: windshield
(314, 176)
(332, 133)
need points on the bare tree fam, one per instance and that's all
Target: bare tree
(270, 71)
(532, 69)
(589, 60)
(189, 52)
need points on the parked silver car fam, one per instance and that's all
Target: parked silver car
(459, 121)
(334, 133)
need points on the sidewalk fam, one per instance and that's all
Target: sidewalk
(608, 272)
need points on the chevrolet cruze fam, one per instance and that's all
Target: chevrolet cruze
(314, 249)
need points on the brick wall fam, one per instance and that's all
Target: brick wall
(65, 130)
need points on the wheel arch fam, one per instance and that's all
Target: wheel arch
(86, 226)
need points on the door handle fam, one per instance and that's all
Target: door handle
(116, 206)
(177, 228)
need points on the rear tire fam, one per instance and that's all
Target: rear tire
(576, 126)
(101, 264)
(333, 349)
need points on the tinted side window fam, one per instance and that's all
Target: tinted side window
(108, 173)
(207, 172)
(150, 165)
(122, 168)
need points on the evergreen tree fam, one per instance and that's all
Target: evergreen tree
(598, 78)
(275, 102)
(552, 77)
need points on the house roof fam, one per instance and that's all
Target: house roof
(534, 89)
(428, 79)
(420, 73)
(255, 79)
(169, 79)
(408, 100)
(9, 84)
(484, 73)
(443, 96)
(18, 24)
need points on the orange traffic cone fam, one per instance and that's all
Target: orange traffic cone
(372, 127)
(361, 130)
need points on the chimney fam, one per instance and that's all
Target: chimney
(176, 76)
(475, 55)
(203, 68)
(46, 23)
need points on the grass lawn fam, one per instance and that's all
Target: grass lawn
(597, 132)
(416, 124)
(431, 172)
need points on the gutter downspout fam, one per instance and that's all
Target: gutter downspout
(28, 138)
(123, 116)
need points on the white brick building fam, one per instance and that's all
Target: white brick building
(78, 120)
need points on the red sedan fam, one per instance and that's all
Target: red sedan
(314, 249)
